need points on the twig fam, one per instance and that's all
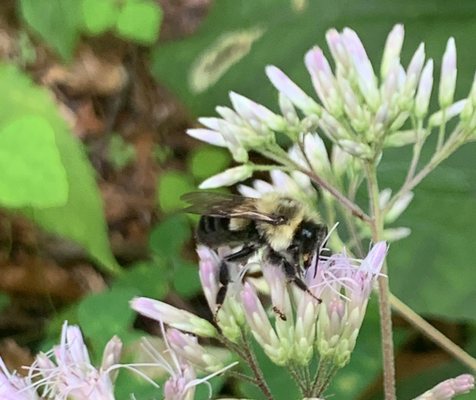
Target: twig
(297, 378)
(279, 155)
(383, 286)
(243, 377)
(253, 363)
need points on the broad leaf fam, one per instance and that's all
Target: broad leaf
(139, 20)
(99, 16)
(56, 21)
(81, 218)
(31, 172)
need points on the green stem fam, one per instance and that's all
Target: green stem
(416, 151)
(450, 146)
(265, 168)
(279, 155)
(325, 384)
(243, 350)
(253, 363)
(298, 380)
(383, 286)
(324, 365)
(243, 377)
(442, 131)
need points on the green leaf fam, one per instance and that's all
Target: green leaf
(81, 219)
(99, 16)
(186, 280)
(31, 172)
(438, 251)
(149, 279)
(103, 315)
(168, 237)
(171, 185)
(207, 161)
(139, 20)
(56, 21)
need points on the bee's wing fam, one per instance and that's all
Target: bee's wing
(226, 205)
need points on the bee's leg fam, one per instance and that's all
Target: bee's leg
(243, 254)
(224, 278)
(292, 275)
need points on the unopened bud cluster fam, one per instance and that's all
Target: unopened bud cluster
(359, 109)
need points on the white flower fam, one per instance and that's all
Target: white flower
(228, 177)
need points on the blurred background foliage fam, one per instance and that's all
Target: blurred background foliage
(96, 96)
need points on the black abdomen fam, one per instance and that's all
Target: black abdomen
(215, 232)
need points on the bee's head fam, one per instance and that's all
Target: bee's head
(308, 238)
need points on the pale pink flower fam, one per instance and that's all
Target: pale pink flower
(344, 285)
(230, 316)
(448, 75)
(449, 388)
(172, 316)
(182, 380)
(70, 374)
(14, 386)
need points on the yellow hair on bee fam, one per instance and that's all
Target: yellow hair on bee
(293, 212)
(238, 224)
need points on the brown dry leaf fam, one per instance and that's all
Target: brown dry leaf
(90, 73)
(40, 277)
(87, 122)
(182, 17)
(15, 356)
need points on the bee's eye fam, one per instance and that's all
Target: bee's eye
(306, 233)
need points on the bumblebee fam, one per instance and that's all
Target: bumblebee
(288, 232)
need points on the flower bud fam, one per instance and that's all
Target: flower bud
(287, 109)
(341, 160)
(443, 116)
(395, 234)
(174, 317)
(363, 68)
(399, 207)
(337, 48)
(448, 75)
(208, 136)
(401, 138)
(422, 99)
(393, 47)
(323, 80)
(356, 149)
(449, 388)
(414, 70)
(187, 346)
(228, 177)
(285, 85)
(316, 153)
(260, 326)
(250, 111)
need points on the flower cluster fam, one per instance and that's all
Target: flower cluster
(358, 110)
(69, 376)
(298, 324)
(182, 359)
